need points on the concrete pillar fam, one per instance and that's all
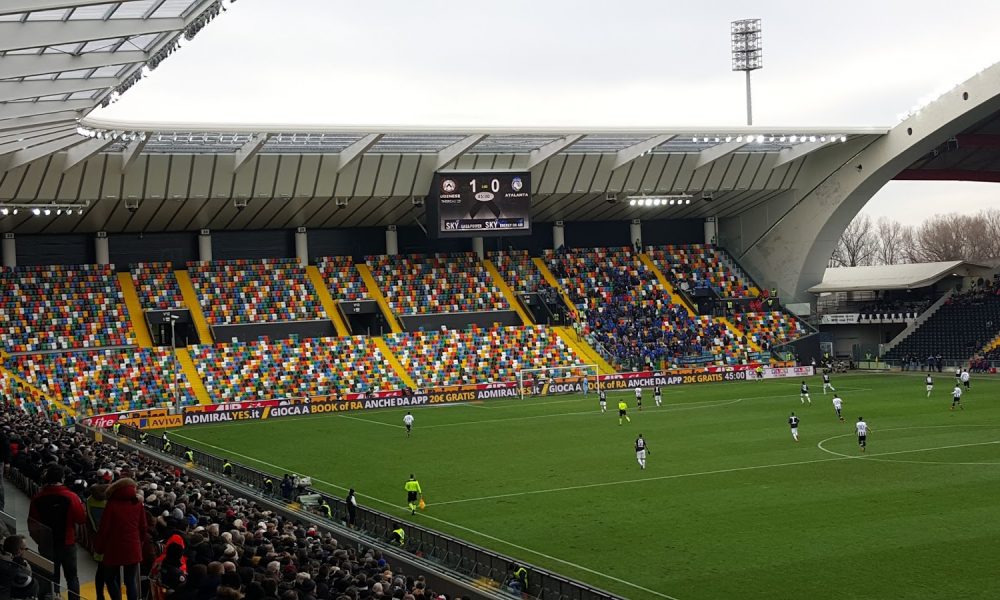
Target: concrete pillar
(9, 250)
(391, 241)
(205, 245)
(711, 230)
(558, 235)
(635, 232)
(477, 247)
(101, 252)
(302, 246)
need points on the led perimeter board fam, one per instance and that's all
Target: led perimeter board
(480, 204)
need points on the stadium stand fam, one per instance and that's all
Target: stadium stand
(478, 355)
(107, 380)
(276, 554)
(691, 266)
(958, 330)
(252, 291)
(518, 270)
(156, 285)
(769, 329)
(341, 278)
(630, 317)
(292, 368)
(62, 307)
(438, 283)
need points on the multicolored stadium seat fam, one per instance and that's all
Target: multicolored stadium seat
(62, 307)
(769, 329)
(253, 291)
(102, 381)
(518, 270)
(290, 368)
(156, 285)
(18, 396)
(341, 278)
(451, 357)
(439, 283)
(699, 265)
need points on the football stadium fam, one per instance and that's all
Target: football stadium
(325, 362)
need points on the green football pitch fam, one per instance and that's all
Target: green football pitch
(729, 505)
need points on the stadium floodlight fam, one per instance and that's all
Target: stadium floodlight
(747, 51)
(665, 200)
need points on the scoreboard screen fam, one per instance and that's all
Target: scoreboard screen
(487, 204)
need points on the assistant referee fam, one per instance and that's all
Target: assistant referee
(413, 493)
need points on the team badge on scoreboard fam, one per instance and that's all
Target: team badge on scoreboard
(516, 184)
(448, 186)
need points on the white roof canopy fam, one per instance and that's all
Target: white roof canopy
(891, 277)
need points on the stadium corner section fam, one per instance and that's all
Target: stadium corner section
(194, 307)
(135, 312)
(376, 294)
(331, 308)
(552, 281)
(506, 291)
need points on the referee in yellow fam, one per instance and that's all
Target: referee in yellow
(623, 412)
(413, 493)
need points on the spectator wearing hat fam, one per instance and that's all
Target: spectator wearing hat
(53, 515)
(120, 538)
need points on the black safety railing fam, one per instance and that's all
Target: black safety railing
(460, 556)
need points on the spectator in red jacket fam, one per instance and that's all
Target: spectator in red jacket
(53, 515)
(120, 538)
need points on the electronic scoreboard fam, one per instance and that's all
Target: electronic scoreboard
(487, 204)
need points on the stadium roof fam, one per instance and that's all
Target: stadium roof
(891, 277)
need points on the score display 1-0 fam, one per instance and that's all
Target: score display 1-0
(480, 204)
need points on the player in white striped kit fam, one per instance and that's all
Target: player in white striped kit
(862, 428)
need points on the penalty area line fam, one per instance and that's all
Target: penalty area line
(444, 522)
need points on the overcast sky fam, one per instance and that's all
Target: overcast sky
(583, 63)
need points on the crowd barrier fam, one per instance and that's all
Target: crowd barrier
(452, 553)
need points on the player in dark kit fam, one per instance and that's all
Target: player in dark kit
(657, 395)
(640, 451)
(793, 422)
(602, 397)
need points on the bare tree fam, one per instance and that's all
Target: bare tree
(941, 238)
(892, 239)
(857, 246)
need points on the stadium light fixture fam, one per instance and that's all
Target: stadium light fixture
(664, 200)
(747, 52)
(12, 208)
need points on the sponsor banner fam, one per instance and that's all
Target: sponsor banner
(779, 372)
(157, 422)
(111, 419)
(840, 319)
(227, 406)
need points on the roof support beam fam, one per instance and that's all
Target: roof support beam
(448, 155)
(249, 149)
(710, 155)
(24, 65)
(947, 175)
(35, 34)
(32, 132)
(18, 90)
(16, 6)
(40, 120)
(547, 151)
(630, 153)
(23, 157)
(797, 151)
(80, 153)
(133, 150)
(349, 154)
(27, 109)
(16, 145)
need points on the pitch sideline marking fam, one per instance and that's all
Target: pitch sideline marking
(874, 457)
(449, 523)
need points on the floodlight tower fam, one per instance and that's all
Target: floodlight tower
(748, 52)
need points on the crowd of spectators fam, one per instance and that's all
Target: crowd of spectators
(199, 541)
(933, 362)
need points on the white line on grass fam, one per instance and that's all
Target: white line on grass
(874, 457)
(449, 523)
